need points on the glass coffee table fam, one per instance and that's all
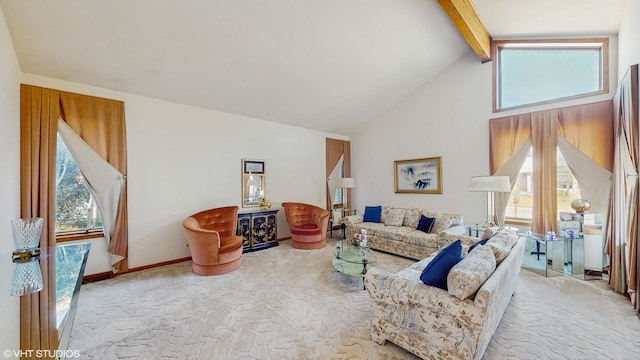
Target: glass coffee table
(351, 259)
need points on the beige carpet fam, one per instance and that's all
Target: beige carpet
(285, 303)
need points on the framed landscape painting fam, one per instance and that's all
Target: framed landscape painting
(421, 176)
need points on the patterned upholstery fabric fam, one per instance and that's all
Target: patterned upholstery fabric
(501, 244)
(393, 217)
(411, 218)
(466, 277)
(430, 322)
(489, 232)
(405, 240)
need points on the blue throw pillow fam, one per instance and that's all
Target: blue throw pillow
(481, 242)
(372, 213)
(435, 274)
(426, 224)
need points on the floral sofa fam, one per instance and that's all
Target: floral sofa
(456, 323)
(396, 232)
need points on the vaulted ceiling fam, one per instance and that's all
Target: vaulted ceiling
(330, 65)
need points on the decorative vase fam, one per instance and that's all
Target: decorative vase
(580, 205)
(27, 278)
(26, 233)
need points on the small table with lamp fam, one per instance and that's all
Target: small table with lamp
(343, 213)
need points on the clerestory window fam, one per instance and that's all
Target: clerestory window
(530, 72)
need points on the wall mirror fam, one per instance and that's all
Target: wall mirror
(253, 182)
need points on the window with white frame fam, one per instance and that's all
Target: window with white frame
(528, 72)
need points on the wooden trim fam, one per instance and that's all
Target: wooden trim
(108, 274)
(465, 17)
(97, 277)
(496, 44)
(145, 267)
(284, 238)
(79, 235)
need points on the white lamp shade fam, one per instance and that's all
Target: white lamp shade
(490, 184)
(344, 183)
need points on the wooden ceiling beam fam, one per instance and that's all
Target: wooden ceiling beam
(466, 18)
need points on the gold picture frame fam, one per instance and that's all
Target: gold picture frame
(254, 182)
(418, 176)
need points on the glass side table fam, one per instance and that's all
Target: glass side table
(561, 256)
(71, 260)
(343, 213)
(540, 260)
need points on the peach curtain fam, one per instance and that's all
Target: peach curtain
(510, 139)
(590, 129)
(586, 127)
(544, 141)
(39, 113)
(101, 124)
(622, 236)
(506, 136)
(334, 150)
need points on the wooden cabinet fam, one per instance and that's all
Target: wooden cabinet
(259, 229)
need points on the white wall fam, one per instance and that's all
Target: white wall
(448, 117)
(184, 159)
(9, 183)
(629, 39)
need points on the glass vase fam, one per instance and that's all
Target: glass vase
(26, 233)
(27, 278)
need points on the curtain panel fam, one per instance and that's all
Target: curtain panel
(622, 237)
(39, 112)
(40, 109)
(101, 124)
(586, 127)
(104, 181)
(337, 150)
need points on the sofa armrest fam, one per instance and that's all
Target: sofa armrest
(446, 238)
(397, 290)
(455, 230)
(352, 219)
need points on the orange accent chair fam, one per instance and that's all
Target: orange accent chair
(308, 225)
(211, 234)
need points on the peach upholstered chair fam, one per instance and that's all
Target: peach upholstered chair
(308, 225)
(211, 234)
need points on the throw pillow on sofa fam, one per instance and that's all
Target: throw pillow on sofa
(372, 213)
(481, 242)
(425, 224)
(435, 273)
(392, 217)
(501, 245)
(411, 217)
(466, 277)
(443, 222)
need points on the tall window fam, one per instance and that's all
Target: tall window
(76, 210)
(339, 199)
(520, 206)
(534, 72)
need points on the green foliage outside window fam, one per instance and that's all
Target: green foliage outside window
(76, 210)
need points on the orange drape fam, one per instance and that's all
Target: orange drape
(506, 136)
(623, 218)
(40, 109)
(39, 113)
(101, 124)
(590, 129)
(587, 127)
(334, 149)
(544, 141)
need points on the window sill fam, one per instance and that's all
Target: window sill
(79, 235)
